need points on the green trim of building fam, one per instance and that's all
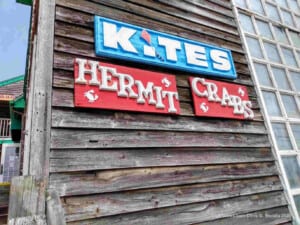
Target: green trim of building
(25, 2)
(16, 109)
(8, 141)
(11, 80)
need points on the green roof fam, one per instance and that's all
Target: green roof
(6, 141)
(18, 103)
(11, 80)
(26, 2)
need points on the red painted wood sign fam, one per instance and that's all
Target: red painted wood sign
(108, 86)
(219, 99)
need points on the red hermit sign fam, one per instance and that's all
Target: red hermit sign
(219, 99)
(108, 86)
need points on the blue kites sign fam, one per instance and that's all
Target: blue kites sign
(125, 41)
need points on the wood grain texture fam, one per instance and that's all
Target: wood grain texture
(64, 77)
(195, 12)
(64, 98)
(94, 182)
(278, 216)
(94, 206)
(195, 213)
(67, 59)
(184, 93)
(219, 6)
(117, 167)
(181, 14)
(24, 197)
(39, 115)
(86, 49)
(26, 220)
(96, 119)
(4, 199)
(64, 138)
(55, 212)
(160, 18)
(4, 195)
(85, 160)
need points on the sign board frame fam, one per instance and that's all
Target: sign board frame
(109, 86)
(120, 40)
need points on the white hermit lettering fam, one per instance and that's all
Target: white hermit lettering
(171, 95)
(145, 93)
(126, 83)
(83, 70)
(106, 79)
(159, 103)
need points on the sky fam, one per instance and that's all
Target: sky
(14, 29)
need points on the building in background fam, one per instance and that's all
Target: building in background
(270, 31)
(11, 109)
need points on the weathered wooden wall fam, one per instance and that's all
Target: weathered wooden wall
(4, 198)
(132, 168)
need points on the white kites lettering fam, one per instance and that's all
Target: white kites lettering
(125, 41)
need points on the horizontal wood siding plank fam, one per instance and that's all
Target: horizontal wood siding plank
(93, 206)
(4, 194)
(97, 119)
(192, 12)
(64, 138)
(225, 3)
(65, 61)
(64, 98)
(63, 75)
(139, 15)
(65, 78)
(86, 49)
(219, 6)
(62, 81)
(81, 34)
(181, 13)
(278, 216)
(195, 213)
(81, 183)
(85, 160)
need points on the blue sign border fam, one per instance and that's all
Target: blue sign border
(139, 43)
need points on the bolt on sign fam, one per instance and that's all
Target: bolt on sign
(108, 86)
(125, 41)
(219, 99)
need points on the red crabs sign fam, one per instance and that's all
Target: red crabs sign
(108, 86)
(220, 99)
